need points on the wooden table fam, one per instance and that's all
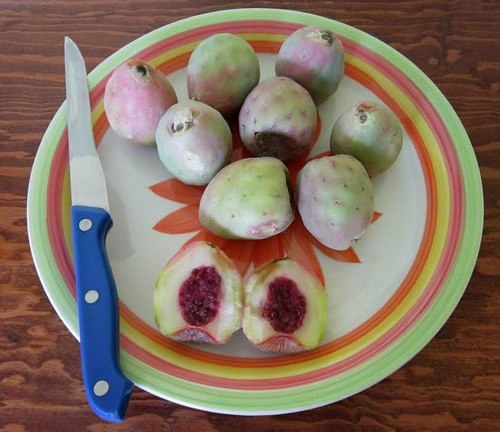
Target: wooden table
(452, 385)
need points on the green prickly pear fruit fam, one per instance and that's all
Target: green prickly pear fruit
(371, 133)
(248, 199)
(222, 70)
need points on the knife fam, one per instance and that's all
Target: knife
(108, 390)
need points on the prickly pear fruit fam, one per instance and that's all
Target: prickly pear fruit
(248, 199)
(285, 307)
(194, 142)
(313, 57)
(335, 200)
(221, 72)
(135, 98)
(198, 296)
(278, 119)
(371, 133)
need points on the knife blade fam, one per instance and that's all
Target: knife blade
(108, 390)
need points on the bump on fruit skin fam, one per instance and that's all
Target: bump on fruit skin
(335, 199)
(248, 199)
(182, 310)
(371, 133)
(314, 58)
(194, 142)
(278, 119)
(222, 70)
(135, 98)
(307, 303)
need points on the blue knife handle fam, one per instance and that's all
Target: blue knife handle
(108, 390)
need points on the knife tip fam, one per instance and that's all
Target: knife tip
(69, 44)
(70, 47)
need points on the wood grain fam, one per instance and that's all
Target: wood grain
(452, 385)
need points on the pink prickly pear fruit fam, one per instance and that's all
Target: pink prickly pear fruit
(313, 57)
(285, 308)
(371, 133)
(135, 98)
(198, 296)
(222, 70)
(335, 199)
(278, 119)
(194, 142)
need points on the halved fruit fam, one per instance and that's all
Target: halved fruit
(198, 296)
(285, 307)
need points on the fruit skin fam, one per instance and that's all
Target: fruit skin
(371, 133)
(167, 312)
(135, 98)
(335, 200)
(248, 199)
(314, 58)
(222, 70)
(278, 119)
(194, 142)
(260, 332)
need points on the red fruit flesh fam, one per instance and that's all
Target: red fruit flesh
(200, 295)
(285, 306)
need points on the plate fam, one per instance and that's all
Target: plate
(387, 297)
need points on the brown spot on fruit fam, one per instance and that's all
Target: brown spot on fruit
(361, 113)
(328, 37)
(274, 144)
(141, 70)
(199, 296)
(366, 106)
(285, 306)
